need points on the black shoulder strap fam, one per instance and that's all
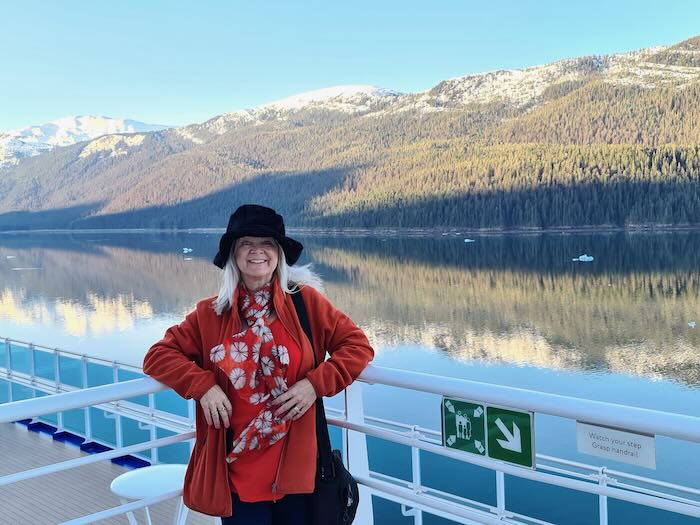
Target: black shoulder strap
(300, 307)
(323, 439)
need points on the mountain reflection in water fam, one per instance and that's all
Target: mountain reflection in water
(502, 299)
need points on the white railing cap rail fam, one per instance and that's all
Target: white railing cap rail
(29, 408)
(68, 353)
(642, 420)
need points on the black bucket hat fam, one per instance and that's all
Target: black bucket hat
(251, 220)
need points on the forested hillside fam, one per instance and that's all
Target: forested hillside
(608, 140)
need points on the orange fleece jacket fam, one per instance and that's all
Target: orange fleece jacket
(181, 361)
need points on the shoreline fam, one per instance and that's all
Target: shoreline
(397, 232)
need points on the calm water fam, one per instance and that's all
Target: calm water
(507, 310)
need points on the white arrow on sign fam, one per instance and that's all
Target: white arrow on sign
(479, 446)
(478, 411)
(451, 440)
(450, 406)
(512, 440)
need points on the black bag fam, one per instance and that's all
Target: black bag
(336, 495)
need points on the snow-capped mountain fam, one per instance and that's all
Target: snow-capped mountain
(360, 147)
(345, 100)
(519, 88)
(33, 140)
(518, 91)
(525, 87)
(348, 99)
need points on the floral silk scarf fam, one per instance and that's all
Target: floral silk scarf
(257, 369)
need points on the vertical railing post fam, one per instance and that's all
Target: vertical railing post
(32, 363)
(8, 362)
(153, 433)
(358, 460)
(191, 416)
(118, 416)
(500, 493)
(603, 500)
(57, 369)
(8, 357)
(86, 410)
(406, 510)
(32, 368)
(417, 482)
(57, 381)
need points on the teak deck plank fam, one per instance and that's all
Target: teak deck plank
(67, 495)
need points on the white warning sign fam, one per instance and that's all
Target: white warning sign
(616, 444)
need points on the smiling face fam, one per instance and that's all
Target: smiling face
(256, 259)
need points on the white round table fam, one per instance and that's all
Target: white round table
(148, 482)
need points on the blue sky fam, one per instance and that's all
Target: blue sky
(178, 62)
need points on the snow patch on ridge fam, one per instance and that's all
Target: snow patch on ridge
(349, 100)
(187, 133)
(341, 98)
(651, 74)
(70, 130)
(34, 140)
(114, 145)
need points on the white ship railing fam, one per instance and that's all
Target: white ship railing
(414, 497)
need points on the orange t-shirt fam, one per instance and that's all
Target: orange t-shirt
(252, 474)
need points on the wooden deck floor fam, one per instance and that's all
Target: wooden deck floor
(65, 495)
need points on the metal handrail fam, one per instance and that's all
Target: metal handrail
(679, 426)
(73, 355)
(544, 462)
(690, 509)
(28, 408)
(642, 420)
(130, 409)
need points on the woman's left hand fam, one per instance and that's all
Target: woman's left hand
(296, 401)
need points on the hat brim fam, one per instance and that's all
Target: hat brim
(292, 249)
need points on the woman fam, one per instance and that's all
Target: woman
(245, 358)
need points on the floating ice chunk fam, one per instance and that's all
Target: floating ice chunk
(691, 324)
(187, 250)
(583, 258)
(469, 240)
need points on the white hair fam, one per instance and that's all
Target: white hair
(291, 279)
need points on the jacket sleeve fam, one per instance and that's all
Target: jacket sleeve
(340, 337)
(176, 360)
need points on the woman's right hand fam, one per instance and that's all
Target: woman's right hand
(216, 407)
